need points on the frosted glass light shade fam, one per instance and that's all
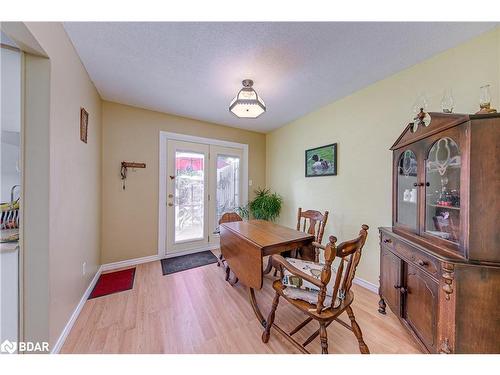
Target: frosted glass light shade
(247, 104)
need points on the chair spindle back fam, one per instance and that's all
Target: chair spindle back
(317, 222)
(230, 217)
(349, 253)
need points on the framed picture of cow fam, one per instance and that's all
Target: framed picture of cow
(321, 161)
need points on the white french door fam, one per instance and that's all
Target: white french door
(203, 182)
(187, 196)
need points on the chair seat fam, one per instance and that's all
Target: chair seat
(327, 314)
(311, 268)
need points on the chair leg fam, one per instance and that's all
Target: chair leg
(270, 319)
(220, 261)
(323, 337)
(363, 348)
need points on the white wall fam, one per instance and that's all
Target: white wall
(74, 214)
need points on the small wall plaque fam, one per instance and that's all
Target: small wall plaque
(84, 122)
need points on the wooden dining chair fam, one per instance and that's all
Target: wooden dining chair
(312, 222)
(341, 295)
(228, 217)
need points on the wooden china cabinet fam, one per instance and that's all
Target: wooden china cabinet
(440, 260)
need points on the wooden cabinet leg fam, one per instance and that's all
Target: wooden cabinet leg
(381, 306)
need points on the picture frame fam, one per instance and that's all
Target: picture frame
(321, 161)
(84, 123)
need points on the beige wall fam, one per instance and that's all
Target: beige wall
(130, 217)
(365, 124)
(75, 177)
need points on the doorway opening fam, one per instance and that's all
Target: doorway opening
(200, 180)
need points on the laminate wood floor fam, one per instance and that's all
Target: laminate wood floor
(196, 311)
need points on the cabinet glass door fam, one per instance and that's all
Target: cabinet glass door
(407, 193)
(442, 190)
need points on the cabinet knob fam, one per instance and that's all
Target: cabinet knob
(403, 290)
(397, 286)
(421, 184)
(387, 240)
(170, 204)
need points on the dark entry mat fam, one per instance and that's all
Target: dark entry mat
(186, 262)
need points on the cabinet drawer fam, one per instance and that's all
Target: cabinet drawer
(417, 258)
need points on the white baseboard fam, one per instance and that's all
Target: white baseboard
(366, 284)
(129, 262)
(67, 329)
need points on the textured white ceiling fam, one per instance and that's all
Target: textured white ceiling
(194, 69)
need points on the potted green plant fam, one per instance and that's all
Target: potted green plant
(265, 206)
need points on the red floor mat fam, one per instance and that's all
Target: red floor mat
(113, 282)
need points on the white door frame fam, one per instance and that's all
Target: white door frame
(162, 198)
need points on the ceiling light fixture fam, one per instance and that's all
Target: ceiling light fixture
(247, 104)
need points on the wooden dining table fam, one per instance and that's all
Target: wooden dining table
(244, 244)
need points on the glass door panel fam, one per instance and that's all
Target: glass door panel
(189, 196)
(225, 184)
(442, 191)
(228, 185)
(407, 195)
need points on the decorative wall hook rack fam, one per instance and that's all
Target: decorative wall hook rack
(126, 165)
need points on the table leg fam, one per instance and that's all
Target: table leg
(255, 307)
(228, 278)
(269, 267)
